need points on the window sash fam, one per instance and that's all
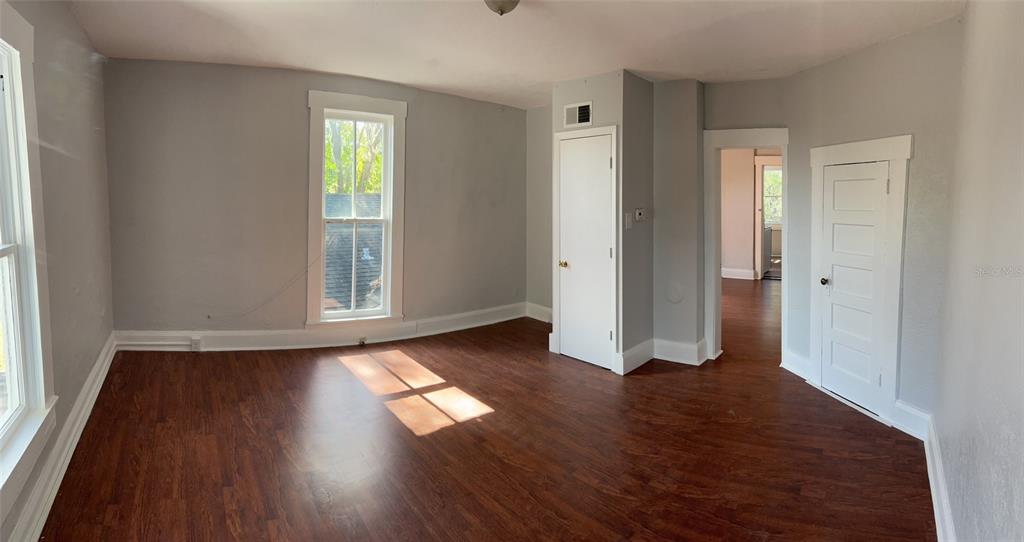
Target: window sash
(387, 164)
(11, 273)
(10, 312)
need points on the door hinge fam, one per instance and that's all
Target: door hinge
(887, 186)
(610, 252)
(879, 380)
(3, 85)
(610, 162)
(610, 335)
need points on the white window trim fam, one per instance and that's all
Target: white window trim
(321, 103)
(761, 167)
(23, 444)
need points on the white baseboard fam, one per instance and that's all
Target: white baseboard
(634, 357)
(798, 365)
(33, 514)
(945, 530)
(734, 273)
(680, 352)
(346, 334)
(538, 312)
(910, 419)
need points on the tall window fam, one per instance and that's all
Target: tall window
(354, 266)
(772, 195)
(12, 253)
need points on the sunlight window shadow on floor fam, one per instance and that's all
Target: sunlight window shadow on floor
(408, 369)
(394, 376)
(376, 378)
(458, 404)
(421, 417)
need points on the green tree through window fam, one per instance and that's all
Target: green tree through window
(772, 195)
(353, 157)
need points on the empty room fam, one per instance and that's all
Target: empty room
(511, 270)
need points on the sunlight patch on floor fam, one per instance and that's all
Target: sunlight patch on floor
(394, 375)
(376, 378)
(458, 404)
(421, 417)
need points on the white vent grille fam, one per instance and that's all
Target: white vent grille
(577, 115)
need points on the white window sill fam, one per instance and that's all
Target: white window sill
(20, 453)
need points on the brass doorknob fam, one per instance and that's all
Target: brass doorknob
(563, 263)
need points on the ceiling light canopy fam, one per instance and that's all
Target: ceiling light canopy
(501, 7)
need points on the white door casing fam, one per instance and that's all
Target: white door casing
(857, 216)
(758, 219)
(710, 304)
(584, 318)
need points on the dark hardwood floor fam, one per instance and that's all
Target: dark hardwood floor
(292, 445)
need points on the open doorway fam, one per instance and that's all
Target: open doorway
(744, 241)
(751, 248)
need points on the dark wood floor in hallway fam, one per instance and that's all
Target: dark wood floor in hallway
(484, 435)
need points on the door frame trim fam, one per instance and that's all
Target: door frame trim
(714, 142)
(554, 339)
(759, 164)
(897, 151)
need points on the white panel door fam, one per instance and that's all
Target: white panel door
(586, 267)
(852, 281)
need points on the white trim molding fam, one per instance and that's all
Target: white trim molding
(798, 365)
(714, 142)
(32, 518)
(734, 273)
(680, 352)
(874, 150)
(351, 333)
(634, 357)
(945, 530)
(897, 151)
(392, 113)
(910, 419)
(538, 312)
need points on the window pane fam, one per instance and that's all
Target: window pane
(369, 270)
(772, 181)
(339, 167)
(773, 210)
(337, 267)
(369, 168)
(9, 396)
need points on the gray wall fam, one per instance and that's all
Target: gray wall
(539, 263)
(979, 417)
(623, 99)
(209, 187)
(637, 190)
(679, 211)
(69, 102)
(905, 86)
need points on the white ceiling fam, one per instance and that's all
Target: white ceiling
(461, 48)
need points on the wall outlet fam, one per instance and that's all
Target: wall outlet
(627, 221)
